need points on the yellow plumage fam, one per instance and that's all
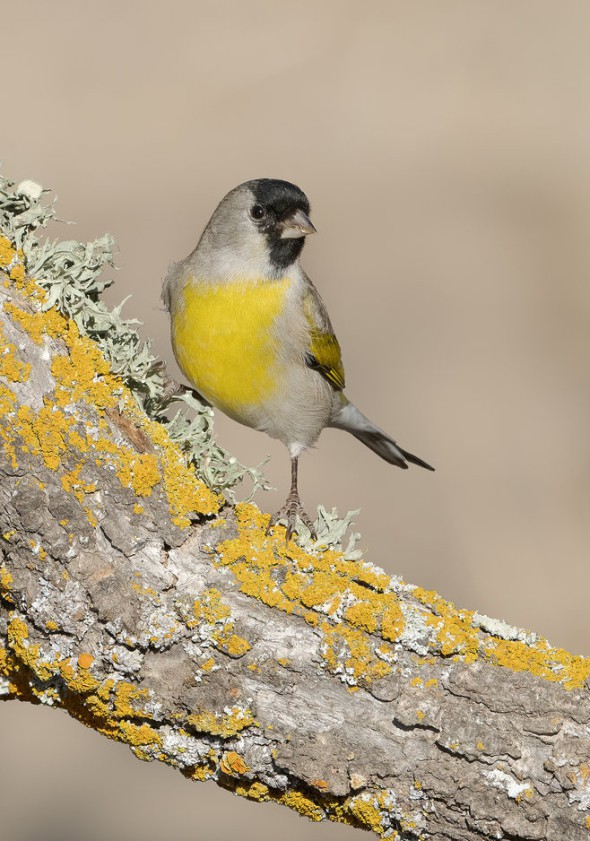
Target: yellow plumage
(225, 343)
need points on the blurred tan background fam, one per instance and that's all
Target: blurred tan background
(445, 147)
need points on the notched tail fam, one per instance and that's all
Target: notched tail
(416, 459)
(351, 419)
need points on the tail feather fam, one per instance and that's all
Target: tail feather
(351, 419)
(416, 460)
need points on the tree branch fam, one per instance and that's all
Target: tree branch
(139, 601)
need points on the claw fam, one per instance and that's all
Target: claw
(289, 512)
(292, 508)
(173, 390)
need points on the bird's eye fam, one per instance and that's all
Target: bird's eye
(257, 212)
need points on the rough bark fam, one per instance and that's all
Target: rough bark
(300, 677)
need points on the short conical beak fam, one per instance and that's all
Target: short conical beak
(297, 225)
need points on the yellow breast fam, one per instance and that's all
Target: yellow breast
(224, 341)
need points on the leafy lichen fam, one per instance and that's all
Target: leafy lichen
(71, 277)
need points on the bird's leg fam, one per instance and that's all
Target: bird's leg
(292, 507)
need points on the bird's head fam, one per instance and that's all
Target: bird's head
(259, 228)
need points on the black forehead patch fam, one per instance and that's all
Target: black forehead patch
(281, 197)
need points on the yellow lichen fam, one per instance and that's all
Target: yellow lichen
(12, 368)
(323, 587)
(225, 724)
(5, 581)
(72, 483)
(362, 614)
(17, 272)
(82, 374)
(254, 791)
(187, 495)
(43, 433)
(377, 579)
(202, 773)
(232, 763)
(301, 803)
(349, 651)
(392, 623)
(7, 251)
(37, 324)
(366, 812)
(17, 634)
(146, 591)
(139, 735)
(210, 607)
(46, 667)
(233, 645)
(527, 793)
(553, 664)
(312, 586)
(455, 633)
(316, 585)
(323, 785)
(130, 700)
(13, 260)
(140, 472)
(85, 660)
(83, 682)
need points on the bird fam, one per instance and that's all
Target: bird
(251, 334)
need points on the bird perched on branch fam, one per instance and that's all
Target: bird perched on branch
(252, 335)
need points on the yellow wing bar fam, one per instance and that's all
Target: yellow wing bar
(325, 356)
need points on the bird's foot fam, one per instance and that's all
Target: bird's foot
(289, 512)
(173, 390)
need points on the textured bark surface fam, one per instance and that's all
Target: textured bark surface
(303, 678)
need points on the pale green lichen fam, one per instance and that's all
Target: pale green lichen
(72, 276)
(331, 531)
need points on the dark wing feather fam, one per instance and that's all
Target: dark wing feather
(323, 354)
